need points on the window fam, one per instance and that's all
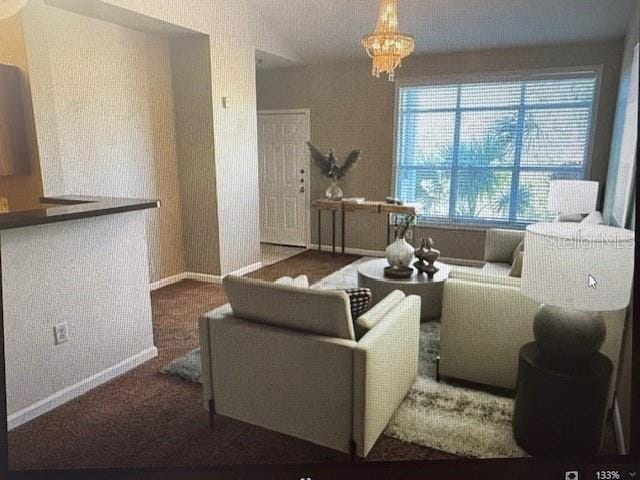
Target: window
(484, 152)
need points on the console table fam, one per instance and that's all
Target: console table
(346, 206)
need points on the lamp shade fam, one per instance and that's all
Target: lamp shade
(9, 8)
(578, 266)
(573, 196)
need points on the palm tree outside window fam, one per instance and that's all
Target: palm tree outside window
(484, 152)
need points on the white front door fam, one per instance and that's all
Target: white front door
(284, 177)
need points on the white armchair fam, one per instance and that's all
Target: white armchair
(285, 358)
(486, 319)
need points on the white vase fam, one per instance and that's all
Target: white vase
(334, 192)
(400, 253)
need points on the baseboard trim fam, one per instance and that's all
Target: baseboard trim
(619, 430)
(217, 279)
(248, 269)
(380, 253)
(198, 277)
(203, 277)
(165, 282)
(83, 386)
(351, 251)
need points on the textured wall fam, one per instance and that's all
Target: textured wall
(234, 31)
(66, 272)
(108, 49)
(104, 115)
(351, 109)
(22, 191)
(191, 66)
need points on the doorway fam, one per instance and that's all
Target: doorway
(284, 164)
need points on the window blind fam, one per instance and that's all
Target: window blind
(485, 152)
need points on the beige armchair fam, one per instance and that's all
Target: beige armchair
(485, 319)
(285, 358)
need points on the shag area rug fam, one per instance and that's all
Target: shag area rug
(439, 415)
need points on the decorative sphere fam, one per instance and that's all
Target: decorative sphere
(566, 334)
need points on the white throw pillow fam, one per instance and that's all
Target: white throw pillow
(594, 218)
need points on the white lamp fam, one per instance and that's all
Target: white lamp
(575, 271)
(570, 198)
(9, 8)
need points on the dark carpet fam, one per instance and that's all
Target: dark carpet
(147, 419)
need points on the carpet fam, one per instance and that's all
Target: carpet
(454, 419)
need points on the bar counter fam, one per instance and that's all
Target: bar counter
(82, 264)
(62, 209)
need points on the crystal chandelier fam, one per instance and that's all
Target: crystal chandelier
(9, 8)
(387, 46)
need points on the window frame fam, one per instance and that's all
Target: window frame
(487, 77)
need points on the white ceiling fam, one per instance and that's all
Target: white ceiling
(327, 30)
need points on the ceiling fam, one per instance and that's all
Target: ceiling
(320, 31)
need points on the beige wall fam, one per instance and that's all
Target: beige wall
(22, 191)
(107, 120)
(351, 109)
(191, 67)
(104, 115)
(71, 277)
(235, 31)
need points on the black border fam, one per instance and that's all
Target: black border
(634, 448)
(521, 469)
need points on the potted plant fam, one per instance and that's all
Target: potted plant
(328, 165)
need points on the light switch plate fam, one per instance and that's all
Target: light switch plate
(60, 333)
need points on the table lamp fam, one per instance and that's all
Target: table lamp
(571, 199)
(575, 271)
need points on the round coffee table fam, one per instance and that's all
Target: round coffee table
(371, 276)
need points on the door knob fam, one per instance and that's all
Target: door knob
(303, 171)
(301, 189)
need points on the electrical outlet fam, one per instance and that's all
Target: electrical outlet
(60, 333)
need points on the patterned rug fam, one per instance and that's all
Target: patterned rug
(454, 419)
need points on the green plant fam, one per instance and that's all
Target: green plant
(479, 184)
(405, 222)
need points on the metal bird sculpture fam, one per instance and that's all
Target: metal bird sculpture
(328, 163)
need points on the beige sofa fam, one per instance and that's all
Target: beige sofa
(285, 357)
(486, 319)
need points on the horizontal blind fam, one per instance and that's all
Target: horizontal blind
(485, 152)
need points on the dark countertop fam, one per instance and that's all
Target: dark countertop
(62, 209)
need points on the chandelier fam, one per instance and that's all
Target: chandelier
(9, 8)
(387, 46)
